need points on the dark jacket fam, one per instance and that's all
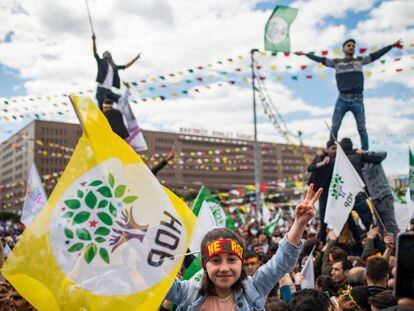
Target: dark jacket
(103, 70)
(376, 180)
(358, 160)
(321, 176)
(116, 121)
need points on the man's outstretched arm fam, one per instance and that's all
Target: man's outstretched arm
(95, 51)
(374, 56)
(324, 60)
(132, 61)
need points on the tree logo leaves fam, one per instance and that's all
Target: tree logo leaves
(90, 214)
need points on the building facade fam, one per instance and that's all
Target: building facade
(219, 163)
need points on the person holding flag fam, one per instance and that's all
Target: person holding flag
(108, 76)
(350, 83)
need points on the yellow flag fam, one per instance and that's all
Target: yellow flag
(109, 236)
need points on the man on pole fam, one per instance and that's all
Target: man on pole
(350, 83)
(108, 75)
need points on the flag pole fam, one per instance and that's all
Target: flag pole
(365, 191)
(255, 143)
(89, 16)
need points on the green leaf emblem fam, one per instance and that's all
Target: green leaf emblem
(73, 203)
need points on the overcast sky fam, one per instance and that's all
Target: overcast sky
(45, 49)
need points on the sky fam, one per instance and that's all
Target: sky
(46, 53)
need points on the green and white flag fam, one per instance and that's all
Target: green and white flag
(403, 209)
(344, 187)
(277, 37)
(274, 224)
(411, 174)
(209, 214)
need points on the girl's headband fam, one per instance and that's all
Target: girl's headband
(221, 246)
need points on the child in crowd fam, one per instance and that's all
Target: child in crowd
(225, 285)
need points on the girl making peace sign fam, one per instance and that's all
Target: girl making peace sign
(225, 285)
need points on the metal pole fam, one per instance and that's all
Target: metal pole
(256, 152)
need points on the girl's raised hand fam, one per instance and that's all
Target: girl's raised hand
(304, 210)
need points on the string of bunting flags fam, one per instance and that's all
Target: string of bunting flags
(14, 112)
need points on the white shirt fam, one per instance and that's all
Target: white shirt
(107, 83)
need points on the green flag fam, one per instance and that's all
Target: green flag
(277, 29)
(270, 228)
(411, 174)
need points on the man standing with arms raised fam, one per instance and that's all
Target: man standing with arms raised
(108, 75)
(350, 83)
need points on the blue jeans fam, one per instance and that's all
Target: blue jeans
(356, 106)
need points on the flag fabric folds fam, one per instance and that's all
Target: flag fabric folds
(344, 187)
(277, 37)
(135, 139)
(35, 198)
(109, 238)
(209, 214)
(308, 273)
(266, 215)
(404, 210)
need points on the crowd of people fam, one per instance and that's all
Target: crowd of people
(349, 273)
(252, 268)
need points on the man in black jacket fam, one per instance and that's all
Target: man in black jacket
(108, 76)
(322, 169)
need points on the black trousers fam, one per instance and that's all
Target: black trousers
(103, 93)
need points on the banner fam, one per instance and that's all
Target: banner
(277, 29)
(344, 187)
(109, 238)
(135, 139)
(35, 198)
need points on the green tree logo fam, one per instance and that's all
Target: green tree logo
(336, 189)
(90, 215)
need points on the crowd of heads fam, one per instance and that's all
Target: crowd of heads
(345, 277)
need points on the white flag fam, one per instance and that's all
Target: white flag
(344, 187)
(308, 273)
(265, 214)
(404, 212)
(205, 223)
(35, 198)
(136, 138)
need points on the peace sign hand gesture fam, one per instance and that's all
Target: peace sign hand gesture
(304, 210)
